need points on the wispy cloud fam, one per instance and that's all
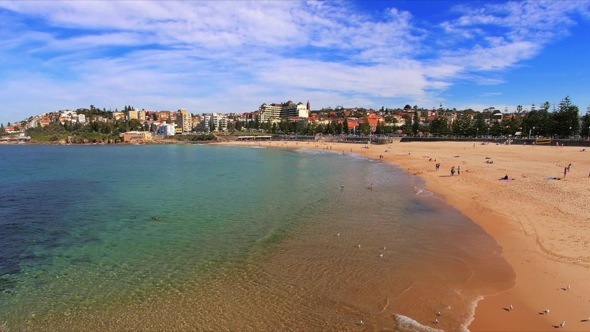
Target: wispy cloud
(232, 56)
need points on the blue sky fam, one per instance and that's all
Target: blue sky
(232, 56)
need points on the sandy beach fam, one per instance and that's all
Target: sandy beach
(539, 216)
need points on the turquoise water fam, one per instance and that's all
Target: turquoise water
(218, 237)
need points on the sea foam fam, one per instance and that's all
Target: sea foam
(407, 324)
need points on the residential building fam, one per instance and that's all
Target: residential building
(275, 112)
(133, 114)
(118, 116)
(167, 129)
(45, 121)
(220, 121)
(185, 121)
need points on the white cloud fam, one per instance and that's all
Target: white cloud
(226, 53)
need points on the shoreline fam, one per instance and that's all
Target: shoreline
(541, 223)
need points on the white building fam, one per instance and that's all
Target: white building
(167, 129)
(283, 111)
(220, 121)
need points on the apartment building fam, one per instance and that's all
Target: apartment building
(275, 112)
(185, 121)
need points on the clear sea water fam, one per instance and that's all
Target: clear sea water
(199, 237)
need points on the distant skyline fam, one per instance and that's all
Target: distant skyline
(232, 56)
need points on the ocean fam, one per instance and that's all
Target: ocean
(205, 237)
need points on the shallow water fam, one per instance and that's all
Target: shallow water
(244, 239)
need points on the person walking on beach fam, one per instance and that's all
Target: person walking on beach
(564, 172)
(458, 170)
(437, 167)
(453, 171)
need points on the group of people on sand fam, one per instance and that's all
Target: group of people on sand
(458, 170)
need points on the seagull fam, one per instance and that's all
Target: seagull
(436, 321)
(546, 311)
(338, 234)
(562, 324)
(381, 255)
(438, 313)
(568, 287)
(383, 247)
(510, 307)
(362, 323)
(359, 245)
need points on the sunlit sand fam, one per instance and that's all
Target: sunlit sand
(539, 217)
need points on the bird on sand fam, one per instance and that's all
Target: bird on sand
(562, 324)
(510, 307)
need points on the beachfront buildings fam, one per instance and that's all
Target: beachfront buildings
(276, 112)
(185, 121)
(213, 122)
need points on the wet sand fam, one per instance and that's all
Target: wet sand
(539, 218)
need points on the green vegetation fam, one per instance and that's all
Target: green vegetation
(562, 123)
(94, 132)
(195, 138)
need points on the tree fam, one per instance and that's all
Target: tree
(416, 123)
(531, 123)
(566, 119)
(339, 128)
(586, 124)
(2, 130)
(365, 127)
(481, 126)
(407, 127)
(345, 126)
(439, 126)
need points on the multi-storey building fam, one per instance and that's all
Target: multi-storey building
(185, 121)
(132, 114)
(220, 121)
(275, 112)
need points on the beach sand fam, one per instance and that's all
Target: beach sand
(539, 218)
